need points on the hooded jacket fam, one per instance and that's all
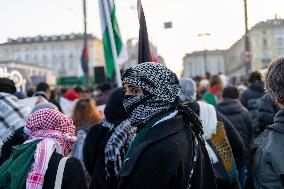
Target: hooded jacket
(239, 117)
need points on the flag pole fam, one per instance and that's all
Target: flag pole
(112, 42)
(87, 85)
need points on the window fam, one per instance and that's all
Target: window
(53, 57)
(264, 42)
(62, 65)
(62, 56)
(264, 32)
(280, 52)
(44, 58)
(279, 41)
(27, 57)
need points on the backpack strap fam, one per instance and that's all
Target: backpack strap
(59, 174)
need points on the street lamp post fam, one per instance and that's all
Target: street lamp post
(204, 35)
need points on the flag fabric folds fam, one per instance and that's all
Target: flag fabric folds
(144, 51)
(85, 59)
(109, 5)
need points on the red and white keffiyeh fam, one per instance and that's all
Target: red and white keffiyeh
(57, 132)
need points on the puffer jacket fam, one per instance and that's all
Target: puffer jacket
(267, 165)
(267, 110)
(250, 99)
(255, 90)
(240, 118)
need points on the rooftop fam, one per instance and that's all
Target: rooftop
(209, 52)
(43, 38)
(7, 62)
(269, 23)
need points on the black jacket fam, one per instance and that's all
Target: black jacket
(18, 138)
(94, 158)
(250, 99)
(73, 176)
(267, 166)
(254, 91)
(164, 158)
(240, 118)
(267, 110)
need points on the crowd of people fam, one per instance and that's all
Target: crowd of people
(156, 131)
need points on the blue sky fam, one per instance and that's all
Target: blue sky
(222, 18)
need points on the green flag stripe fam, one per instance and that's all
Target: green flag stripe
(107, 45)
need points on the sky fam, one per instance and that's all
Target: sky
(223, 19)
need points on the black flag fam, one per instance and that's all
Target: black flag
(144, 51)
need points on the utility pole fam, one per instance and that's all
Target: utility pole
(204, 51)
(246, 40)
(86, 73)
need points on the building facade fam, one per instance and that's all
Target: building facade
(199, 62)
(132, 50)
(26, 74)
(266, 43)
(61, 54)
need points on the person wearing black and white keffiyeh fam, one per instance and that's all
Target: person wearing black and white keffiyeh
(12, 119)
(168, 150)
(106, 142)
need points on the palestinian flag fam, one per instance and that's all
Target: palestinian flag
(121, 51)
(85, 59)
(144, 51)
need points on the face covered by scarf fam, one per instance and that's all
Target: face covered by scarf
(160, 87)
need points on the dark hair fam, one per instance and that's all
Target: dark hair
(274, 80)
(255, 76)
(215, 80)
(231, 92)
(104, 87)
(7, 86)
(30, 91)
(63, 90)
(42, 87)
(208, 75)
(79, 89)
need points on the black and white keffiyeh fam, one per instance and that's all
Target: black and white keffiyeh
(122, 136)
(160, 86)
(12, 116)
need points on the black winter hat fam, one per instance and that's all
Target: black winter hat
(114, 110)
(7, 85)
